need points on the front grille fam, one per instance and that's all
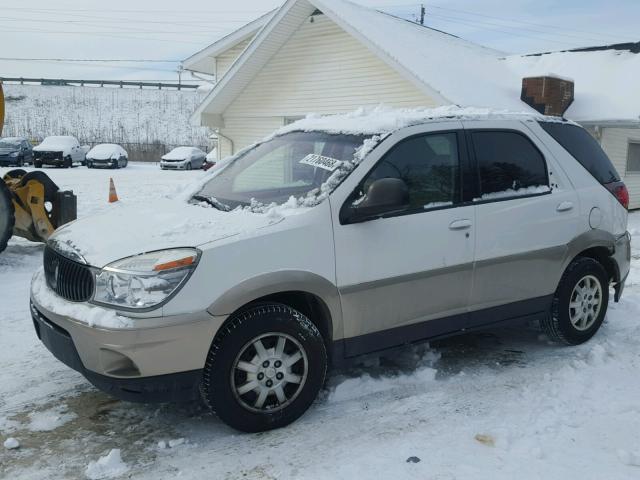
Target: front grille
(71, 280)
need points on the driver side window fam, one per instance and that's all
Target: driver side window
(429, 165)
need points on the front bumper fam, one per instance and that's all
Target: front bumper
(173, 165)
(102, 163)
(622, 257)
(148, 364)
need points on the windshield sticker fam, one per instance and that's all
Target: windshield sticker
(326, 163)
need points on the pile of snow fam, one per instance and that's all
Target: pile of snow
(49, 420)
(109, 466)
(11, 443)
(106, 151)
(510, 192)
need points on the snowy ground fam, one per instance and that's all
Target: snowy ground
(503, 404)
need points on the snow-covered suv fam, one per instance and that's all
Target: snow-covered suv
(59, 151)
(335, 237)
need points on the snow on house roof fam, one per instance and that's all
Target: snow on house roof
(436, 62)
(605, 79)
(201, 60)
(445, 67)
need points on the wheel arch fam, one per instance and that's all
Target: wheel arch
(313, 295)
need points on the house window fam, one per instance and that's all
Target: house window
(633, 158)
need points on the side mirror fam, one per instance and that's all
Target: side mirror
(386, 195)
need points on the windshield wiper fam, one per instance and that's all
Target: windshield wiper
(213, 202)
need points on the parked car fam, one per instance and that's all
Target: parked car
(345, 243)
(183, 158)
(61, 151)
(210, 160)
(15, 151)
(107, 155)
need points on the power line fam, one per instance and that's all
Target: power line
(109, 60)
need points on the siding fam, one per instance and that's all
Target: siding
(321, 69)
(226, 59)
(615, 142)
(245, 131)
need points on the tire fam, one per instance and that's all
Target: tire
(189, 167)
(565, 323)
(7, 215)
(126, 162)
(20, 162)
(68, 163)
(235, 342)
(37, 164)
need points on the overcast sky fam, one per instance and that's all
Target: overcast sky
(169, 30)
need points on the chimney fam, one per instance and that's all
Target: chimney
(548, 95)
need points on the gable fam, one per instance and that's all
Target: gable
(323, 69)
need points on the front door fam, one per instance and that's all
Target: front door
(400, 273)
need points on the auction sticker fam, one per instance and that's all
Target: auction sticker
(326, 163)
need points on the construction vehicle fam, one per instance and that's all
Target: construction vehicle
(31, 204)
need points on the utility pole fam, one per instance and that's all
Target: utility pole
(422, 12)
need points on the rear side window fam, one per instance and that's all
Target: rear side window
(584, 148)
(509, 164)
(633, 159)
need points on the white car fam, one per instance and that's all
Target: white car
(107, 155)
(336, 237)
(61, 151)
(183, 158)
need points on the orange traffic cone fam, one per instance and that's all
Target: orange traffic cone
(113, 196)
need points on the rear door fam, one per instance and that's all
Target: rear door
(526, 213)
(400, 274)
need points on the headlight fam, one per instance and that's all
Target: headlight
(145, 281)
(13, 154)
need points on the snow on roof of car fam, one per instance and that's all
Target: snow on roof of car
(58, 142)
(179, 153)
(381, 119)
(105, 151)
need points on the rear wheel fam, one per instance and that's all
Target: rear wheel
(579, 304)
(265, 368)
(7, 215)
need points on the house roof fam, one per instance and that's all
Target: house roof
(199, 61)
(445, 67)
(605, 79)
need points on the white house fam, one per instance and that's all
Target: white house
(332, 56)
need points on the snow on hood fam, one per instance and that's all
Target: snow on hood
(56, 144)
(125, 230)
(180, 153)
(106, 151)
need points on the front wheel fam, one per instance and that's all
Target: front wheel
(37, 164)
(189, 167)
(68, 163)
(579, 304)
(265, 368)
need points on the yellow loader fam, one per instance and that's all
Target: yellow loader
(31, 204)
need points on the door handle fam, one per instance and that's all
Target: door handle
(564, 207)
(460, 224)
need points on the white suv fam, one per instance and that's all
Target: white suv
(335, 237)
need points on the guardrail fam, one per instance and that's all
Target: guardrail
(99, 83)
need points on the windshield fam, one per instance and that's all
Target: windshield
(8, 143)
(289, 165)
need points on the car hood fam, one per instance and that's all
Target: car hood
(125, 230)
(53, 148)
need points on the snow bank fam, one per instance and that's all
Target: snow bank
(109, 466)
